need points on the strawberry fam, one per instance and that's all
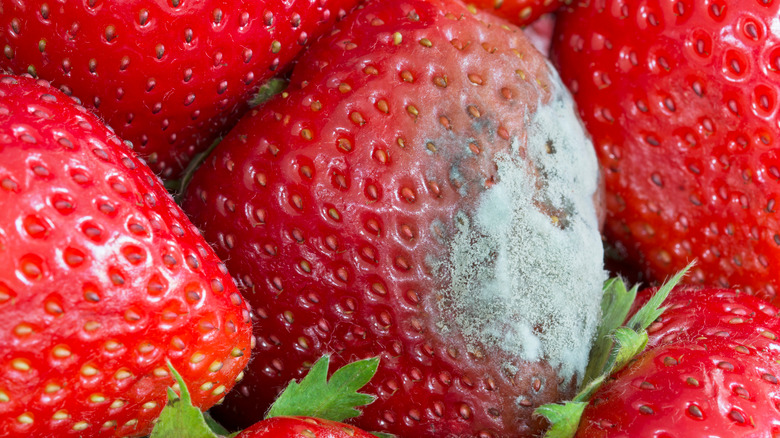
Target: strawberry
(710, 367)
(693, 312)
(710, 386)
(169, 76)
(540, 33)
(422, 191)
(102, 277)
(520, 12)
(302, 427)
(681, 98)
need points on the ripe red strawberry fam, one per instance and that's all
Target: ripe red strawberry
(710, 386)
(710, 368)
(102, 278)
(693, 312)
(520, 12)
(423, 192)
(681, 98)
(302, 427)
(169, 76)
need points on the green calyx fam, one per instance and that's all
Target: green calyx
(179, 418)
(615, 346)
(334, 399)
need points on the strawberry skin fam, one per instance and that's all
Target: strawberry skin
(302, 427)
(422, 191)
(168, 76)
(693, 389)
(681, 99)
(520, 12)
(710, 368)
(102, 279)
(693, 312)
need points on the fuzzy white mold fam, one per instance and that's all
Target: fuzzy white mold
(518, 279)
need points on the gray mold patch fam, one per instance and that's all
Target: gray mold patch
(517, 279)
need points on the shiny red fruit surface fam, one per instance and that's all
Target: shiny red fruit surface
(102, 280)
(169, 76)
(681, 98)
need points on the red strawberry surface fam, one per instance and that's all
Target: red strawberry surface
(710, 369)
(681, 98)
(302, 427)
(520, 12)
(422, 191)
(102, 279)
(693, 312)
(169, 76)
(710, 386)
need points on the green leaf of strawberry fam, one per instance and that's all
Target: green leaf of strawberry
(334, 399)
(564, 418)
(628, 343)
(615, 347)
(615, 306)
(652, 310)
(315, 396)
(180, 418)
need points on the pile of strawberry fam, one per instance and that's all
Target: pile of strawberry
(408, 190)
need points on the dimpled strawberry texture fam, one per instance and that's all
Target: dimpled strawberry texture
(168, 76)
(102, 278)
(423, 191)
(689, 389)
(711, 365)
(519, 12)
(298, 427)
(693, 312)
(681, 98)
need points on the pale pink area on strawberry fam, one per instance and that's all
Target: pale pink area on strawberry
(540, 33)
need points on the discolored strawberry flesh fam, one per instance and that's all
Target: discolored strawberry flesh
(422, 191)
(102, 279)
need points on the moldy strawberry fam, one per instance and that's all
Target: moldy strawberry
(422, 191)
